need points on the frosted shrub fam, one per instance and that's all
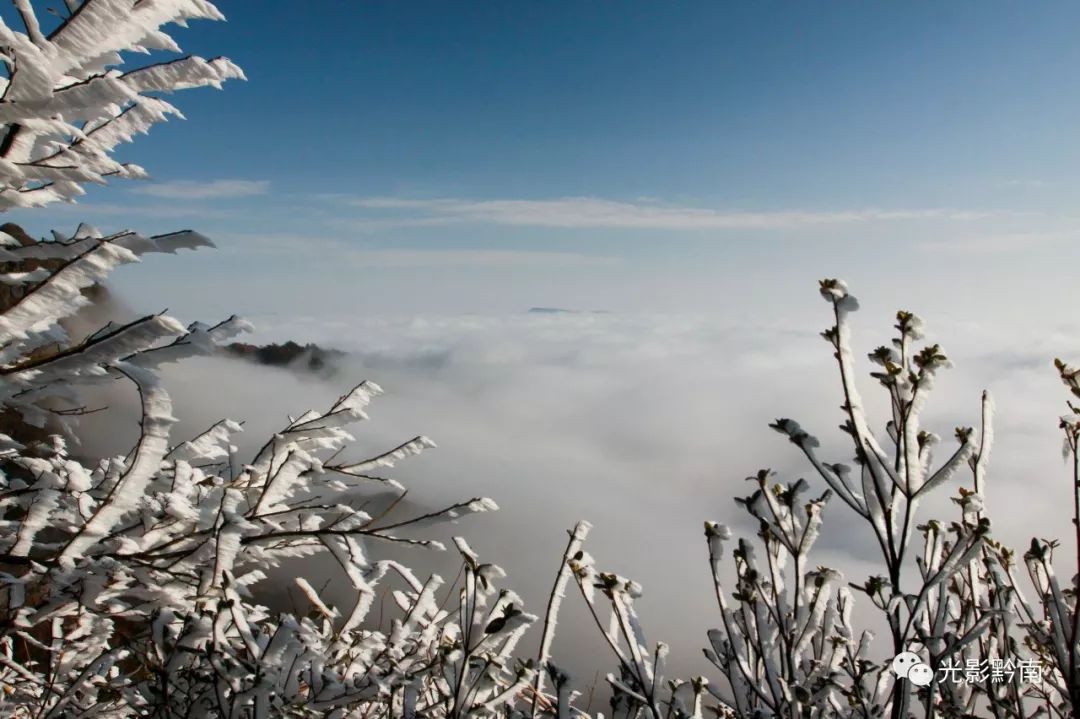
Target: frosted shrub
(65, 106)
(127, 583)
(786, 646)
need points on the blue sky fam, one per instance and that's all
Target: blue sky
(753, 105)
(463, 157)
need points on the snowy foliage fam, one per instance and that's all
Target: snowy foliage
(786, 646)
(65, 105)
(137, 585)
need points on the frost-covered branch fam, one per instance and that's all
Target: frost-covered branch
(64, 104)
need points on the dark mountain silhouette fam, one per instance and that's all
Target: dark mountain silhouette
(551, 311)
(309, 357)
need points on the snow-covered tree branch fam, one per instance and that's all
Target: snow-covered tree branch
(65, 104)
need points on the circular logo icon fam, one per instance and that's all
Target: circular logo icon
(920, 675)
(903, 662)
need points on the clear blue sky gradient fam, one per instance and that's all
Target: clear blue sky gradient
(771, 107)
(755, 104)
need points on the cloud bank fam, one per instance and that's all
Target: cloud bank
(203, 189)
(592, 212)
(646, 425)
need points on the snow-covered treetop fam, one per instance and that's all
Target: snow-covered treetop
(64, 103)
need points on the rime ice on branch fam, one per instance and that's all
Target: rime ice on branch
(127, 583)
(65, 105)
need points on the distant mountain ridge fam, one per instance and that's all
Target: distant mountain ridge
(309, 357)
(563, 311)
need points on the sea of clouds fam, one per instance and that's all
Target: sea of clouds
(646, 425)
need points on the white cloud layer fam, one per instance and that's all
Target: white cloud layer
(155, 211)
(591, 212)
(343, 253)
(203, 190)
(646, 425)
